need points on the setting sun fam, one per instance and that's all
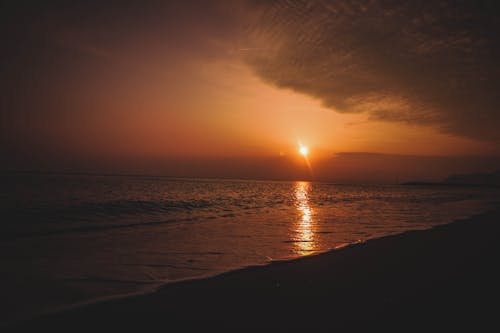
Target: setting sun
(303, 150)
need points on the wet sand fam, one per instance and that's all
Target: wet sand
(439, 279)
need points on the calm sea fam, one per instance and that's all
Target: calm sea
(70, 239)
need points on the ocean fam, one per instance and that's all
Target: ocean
(72, 239)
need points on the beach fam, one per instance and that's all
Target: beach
(441, 278)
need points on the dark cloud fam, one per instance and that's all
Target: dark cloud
(420, 62)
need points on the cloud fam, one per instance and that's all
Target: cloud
(425, 63)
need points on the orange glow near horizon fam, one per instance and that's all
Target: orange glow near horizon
(235, 114)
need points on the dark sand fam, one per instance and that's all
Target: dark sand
(439, 279)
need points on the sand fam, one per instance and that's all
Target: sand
(439, 279)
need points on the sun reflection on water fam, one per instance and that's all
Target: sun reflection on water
(303, 229)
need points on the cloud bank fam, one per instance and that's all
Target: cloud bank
(425, 63)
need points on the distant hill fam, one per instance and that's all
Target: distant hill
(492, 178)
(469, 179)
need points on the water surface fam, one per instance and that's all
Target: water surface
(68, 239)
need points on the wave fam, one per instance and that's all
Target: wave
(115, 208)
(15, 234)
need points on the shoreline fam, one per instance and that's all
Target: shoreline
(154, 288)
(344, 281)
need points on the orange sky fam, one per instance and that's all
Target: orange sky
(230, 112)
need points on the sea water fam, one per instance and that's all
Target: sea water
(71, 239)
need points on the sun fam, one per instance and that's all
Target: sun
(303, 151)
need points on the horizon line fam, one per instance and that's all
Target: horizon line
(145, 175)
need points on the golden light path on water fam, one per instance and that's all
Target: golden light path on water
(304, 238)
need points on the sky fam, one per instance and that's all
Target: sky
(379, 91)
